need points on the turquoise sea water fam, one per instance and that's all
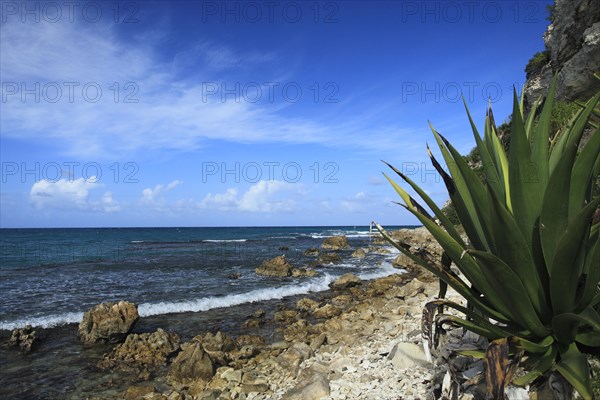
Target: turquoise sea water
(49, 277)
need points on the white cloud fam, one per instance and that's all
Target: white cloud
(69, 194)
(151, 196)
(361, 202)
(262, 197)
(166, 103)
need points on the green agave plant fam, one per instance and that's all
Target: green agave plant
(532, 258)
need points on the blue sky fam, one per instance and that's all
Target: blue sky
(205, 113)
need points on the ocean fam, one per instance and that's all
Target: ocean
(179, 277)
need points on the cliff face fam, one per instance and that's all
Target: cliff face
(573, 40)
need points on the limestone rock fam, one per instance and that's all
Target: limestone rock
(277, 266)
(311, 252)
(304, 272)
(294, 356)
(335, 243)
(191, 364)
(359, 253)
(313, 387)
(23, 338)
(108, 322)
(149, 349)
(327, 311)
(345, 281)
(407, 355)
(329, 258)
(307, 304)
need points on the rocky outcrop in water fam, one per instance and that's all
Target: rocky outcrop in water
(277, 266)
(192, 364)
(335, 243)
(573, 42)
(108, 322)
(345, 281)
(142, 350)
(23, 339)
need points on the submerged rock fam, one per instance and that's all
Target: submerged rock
(277, 266)
(23, 338)
(359, 253)
(304, 272)
(311, 252)
(329, 258)
(335, 243)
(108, 322)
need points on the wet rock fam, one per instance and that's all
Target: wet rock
(191, 364)
(359, 253)
(23, 338)
(329, 258)
(304, 272)
(311, 252)
(307, 305)
(236, 275)
(341, 300)
(148, 349)
(283, 248)
(278, 267)
(335, 243)
(296, 331)
(137, 392)
(286, 316)
(108, 322)
(250, 340)
(345, 281)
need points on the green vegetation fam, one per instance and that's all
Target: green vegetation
(536, 63)
(533, 253)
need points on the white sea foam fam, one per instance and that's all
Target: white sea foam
(44, 322)
(386, 269)
(207, 303)
(224, 240)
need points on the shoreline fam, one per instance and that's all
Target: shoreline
(288, 341)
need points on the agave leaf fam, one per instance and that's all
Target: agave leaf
(540, 146)
(583, 174)
(474, 186)
(489, 167)
(591, 272)
(540, 364)
(501, 161)
(450, 278)
(514, 294)
(432, 206)
(534, 347)
(530, 120)
(495, 330)
(458, 202)
(566, 266)
(469, 325)
(514, 250)
(566, 325)
(478, 277)
(496, 371)
(525, 183)
(574, 367)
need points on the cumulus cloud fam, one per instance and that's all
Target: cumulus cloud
(71, 194)
(262, 197)
(361, 202)
(150, 196)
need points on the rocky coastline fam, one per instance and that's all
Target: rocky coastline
(359, 340)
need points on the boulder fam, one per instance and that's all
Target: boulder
(294, 356)
(149, 349)
(312, 387)
(327, 311)
(345, 281)
(335, 243)
(307, 304)
(277, 266)
(108, 322)
(329, 258)
(359, 253)
(311, 252)
(304, 272)
(217, 346)
(191, 364)
(23, 338)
